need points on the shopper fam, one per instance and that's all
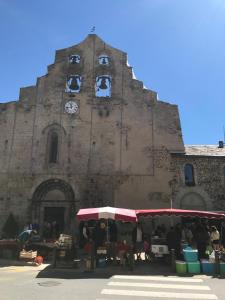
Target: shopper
(215, 238)
(113, 232)
(137, 237)
(174, 241)
(187, 235)
(222, 234)
(99, 234)
(201, 237)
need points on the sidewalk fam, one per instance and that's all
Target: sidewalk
(140, 268)
(67, 271)
(9, 263)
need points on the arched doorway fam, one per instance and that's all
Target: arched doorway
(193, 201)
(53, 200)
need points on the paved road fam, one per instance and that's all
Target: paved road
(156, 287)
(31, 283)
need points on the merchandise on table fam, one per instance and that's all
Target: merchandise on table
(28, 254)
(65, 241)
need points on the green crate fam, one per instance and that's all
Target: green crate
(222, 268)
(194, 267)
(181, 267)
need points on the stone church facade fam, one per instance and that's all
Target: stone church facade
(89, 134)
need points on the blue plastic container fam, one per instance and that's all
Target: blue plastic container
(207, 267)
(190, 255)
(194, 267)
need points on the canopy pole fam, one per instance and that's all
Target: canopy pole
(107, 230)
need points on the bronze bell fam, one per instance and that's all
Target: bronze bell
(104, 62)
(74, 60)
(74, 84)
(103, 85)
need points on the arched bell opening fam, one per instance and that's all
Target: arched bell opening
(103, 86)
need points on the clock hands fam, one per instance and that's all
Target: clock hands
(71, 107)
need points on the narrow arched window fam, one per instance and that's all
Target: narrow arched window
(189, 175)
(53, 147)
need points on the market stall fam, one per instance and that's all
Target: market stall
(159, 244)
(101, 252)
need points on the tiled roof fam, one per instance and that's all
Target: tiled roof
(204, 150)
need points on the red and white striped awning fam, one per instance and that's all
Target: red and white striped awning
(179, 212)
(107, 212)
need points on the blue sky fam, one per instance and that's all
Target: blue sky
(176, 47)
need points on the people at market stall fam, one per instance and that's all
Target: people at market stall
(46, 230)
(113, 236)
(28, 226)
(137, 238)
(187, 235)
(113, 231)
(215, 238)
(84, 234)
(28, 236)
(25, 235)
(201, 237)
(123, 249)
(222, 234)
(160, 231)
(147, 248)
(99, 234)
(54, 230)
(174, 237)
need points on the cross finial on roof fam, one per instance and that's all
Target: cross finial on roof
(93, 29)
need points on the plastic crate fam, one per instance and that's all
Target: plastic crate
(190, 255)
(222, 268)
(208, 267)
(181, 267)
(194, 267)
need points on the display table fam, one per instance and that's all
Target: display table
(101, 256)
(159, 247)
(9, 249)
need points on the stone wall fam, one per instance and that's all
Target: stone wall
(209, 180)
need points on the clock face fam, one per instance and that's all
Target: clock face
(71, 107)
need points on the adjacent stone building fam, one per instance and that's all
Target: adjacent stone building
(89, 134)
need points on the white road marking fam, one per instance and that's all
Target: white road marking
(158, 278)
(158, 294)
(160, 285)
(6, 279)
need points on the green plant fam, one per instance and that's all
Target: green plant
(10, 228)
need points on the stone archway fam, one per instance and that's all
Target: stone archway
(192, 198)
(53, 200)
(193, 201)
